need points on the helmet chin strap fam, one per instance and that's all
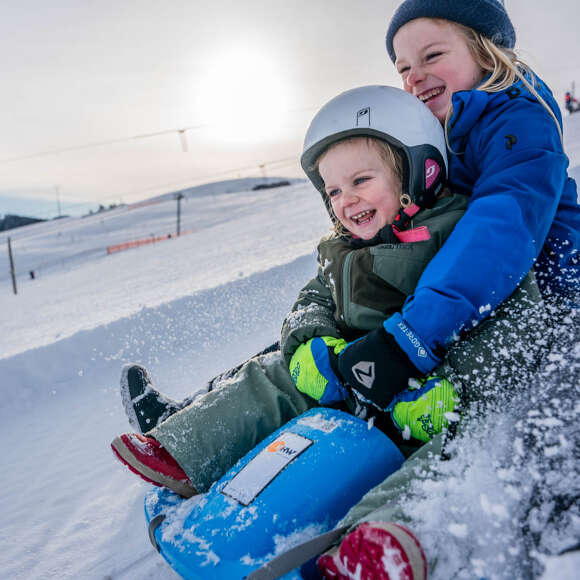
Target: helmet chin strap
(402, 232)
(403, 228)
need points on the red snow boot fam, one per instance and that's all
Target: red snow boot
(149, 460)
(375, 551)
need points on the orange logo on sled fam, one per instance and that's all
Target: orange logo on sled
(273, 447)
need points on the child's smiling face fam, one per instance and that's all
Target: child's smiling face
(434, 61)
(363, 190)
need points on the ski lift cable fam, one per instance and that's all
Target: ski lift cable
(180, 185)
(100, 144)
(201, 180)
(163, 187)
(180, 132)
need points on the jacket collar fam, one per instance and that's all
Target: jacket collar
(469, 106)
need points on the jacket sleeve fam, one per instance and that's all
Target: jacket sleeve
(522, 168)
(312, 315)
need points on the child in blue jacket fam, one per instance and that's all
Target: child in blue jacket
(504, 135)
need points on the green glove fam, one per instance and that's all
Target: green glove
(312, 369)
(424, 410)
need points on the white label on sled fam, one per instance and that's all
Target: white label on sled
(261, 470)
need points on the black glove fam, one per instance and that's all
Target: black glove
(376, 367)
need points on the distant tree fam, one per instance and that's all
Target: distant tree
(16, 221)
(270, 185)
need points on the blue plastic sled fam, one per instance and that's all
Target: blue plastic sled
(294, 485)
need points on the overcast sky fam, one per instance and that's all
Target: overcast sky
(243, 77)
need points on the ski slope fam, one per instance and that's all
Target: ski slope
(187, 308)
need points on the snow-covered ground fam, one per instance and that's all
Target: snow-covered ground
(187, 308)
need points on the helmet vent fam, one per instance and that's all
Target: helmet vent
(363, 117)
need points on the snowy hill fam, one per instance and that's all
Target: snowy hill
(187, 308)
(229, 186)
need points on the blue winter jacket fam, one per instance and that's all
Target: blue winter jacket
(507, 157)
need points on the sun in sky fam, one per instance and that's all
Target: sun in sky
(242, 94)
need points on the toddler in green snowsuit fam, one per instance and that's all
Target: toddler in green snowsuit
(380, 165)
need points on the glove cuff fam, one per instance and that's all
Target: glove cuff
(417, 351)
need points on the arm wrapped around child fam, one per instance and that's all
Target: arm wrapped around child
(330, 370)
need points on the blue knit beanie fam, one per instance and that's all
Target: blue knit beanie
(488, 17)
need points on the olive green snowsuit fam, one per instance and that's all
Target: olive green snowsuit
(355, 290)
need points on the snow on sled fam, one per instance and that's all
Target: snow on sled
(294, 485)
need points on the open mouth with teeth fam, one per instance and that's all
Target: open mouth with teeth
(431, 94)
(364, 217)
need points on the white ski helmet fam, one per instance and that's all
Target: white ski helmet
(389, 114)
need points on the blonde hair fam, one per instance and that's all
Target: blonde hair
(505, 68)
(388, 154)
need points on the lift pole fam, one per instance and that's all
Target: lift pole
(12, 274)
(179, 197)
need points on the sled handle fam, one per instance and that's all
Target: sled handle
(296, 556)
(153, 525)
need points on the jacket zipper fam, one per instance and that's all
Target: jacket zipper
(346, 286)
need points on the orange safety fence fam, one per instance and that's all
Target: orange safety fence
(142, 242)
